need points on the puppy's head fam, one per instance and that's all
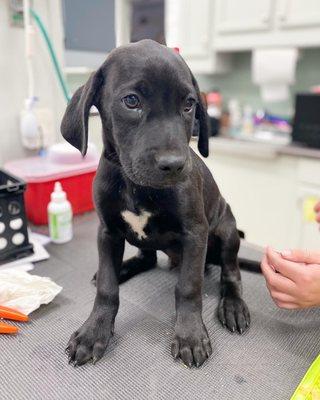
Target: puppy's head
(150, 104)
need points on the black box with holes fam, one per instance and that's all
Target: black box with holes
(14, 241)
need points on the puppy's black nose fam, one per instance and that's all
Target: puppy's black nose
(170, 163)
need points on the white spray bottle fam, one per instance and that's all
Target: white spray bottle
(60, 216)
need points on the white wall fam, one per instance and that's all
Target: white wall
(13, 77)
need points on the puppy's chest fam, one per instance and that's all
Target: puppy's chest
(150, 228)
(137, 222)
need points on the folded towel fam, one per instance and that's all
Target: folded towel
(26, 292)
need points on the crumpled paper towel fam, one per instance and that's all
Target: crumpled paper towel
(26, 292)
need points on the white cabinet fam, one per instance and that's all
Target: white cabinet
(262, 195)
(244, 15)
(207, 31)
(195, 38)
(298, 13)
(249, 24)
(189, 26)
(266, 191)
(309, 191)
(309, 234)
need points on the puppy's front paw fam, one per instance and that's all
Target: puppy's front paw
(233, 313)
(192, 346)
(88, 343)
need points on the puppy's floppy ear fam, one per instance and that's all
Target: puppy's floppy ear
(74, 125)
(202, 122)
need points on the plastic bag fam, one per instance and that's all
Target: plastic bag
(26, 292)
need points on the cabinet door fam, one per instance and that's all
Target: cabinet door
(260, 187)
(308, 195)
(188, 26)
(244, 15)
(196, 35)
(309, 228)
(298, 13)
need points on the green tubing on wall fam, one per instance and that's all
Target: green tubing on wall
(52, 53)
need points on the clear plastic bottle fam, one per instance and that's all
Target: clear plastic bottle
(247, 120)
(60, 216)
(235, 117)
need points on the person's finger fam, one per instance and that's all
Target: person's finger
(288, 269)
(266, 269)
(281, 297)
(287, 306)
(302, 256)
(275, 281)
(317, 207)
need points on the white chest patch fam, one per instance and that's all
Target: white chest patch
(137, 222)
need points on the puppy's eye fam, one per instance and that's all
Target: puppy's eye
(188, 106)
(131, 101)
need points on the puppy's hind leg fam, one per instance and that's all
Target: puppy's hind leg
(213, 256)
(233, 312)
(142, 262)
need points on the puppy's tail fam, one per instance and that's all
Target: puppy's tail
(249, 265)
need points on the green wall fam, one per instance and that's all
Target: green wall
(238, 84)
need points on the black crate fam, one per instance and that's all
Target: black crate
(14, 240)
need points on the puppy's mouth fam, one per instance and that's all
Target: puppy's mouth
(154, 179)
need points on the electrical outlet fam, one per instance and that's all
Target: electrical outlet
(46, 126)
(16, 12)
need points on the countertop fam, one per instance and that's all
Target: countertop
(266, 363)
(255, 149)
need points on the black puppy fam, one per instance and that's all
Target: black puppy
(152, 190)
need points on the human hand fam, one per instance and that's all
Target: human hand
(292, 277)
(317, 211)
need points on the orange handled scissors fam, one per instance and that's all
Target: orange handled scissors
(12, 314)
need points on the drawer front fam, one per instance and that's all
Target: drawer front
(309, 172)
